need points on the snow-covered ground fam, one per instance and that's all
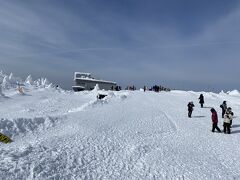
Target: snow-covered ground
(127, 135)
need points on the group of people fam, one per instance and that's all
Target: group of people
(131, 88)
(116, 88)
(156, 88)
(227, 114)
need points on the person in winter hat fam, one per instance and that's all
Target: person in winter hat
(214, 120)
(224, 108)
(229, 110)
(190, 109)
(227, 120)
(201, 100)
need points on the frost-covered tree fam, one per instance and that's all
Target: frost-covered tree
(5, 82)
(29, 80)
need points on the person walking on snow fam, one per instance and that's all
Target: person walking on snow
(228, 120)
(224, 108)
(201, 100)
(190, 109)
(214, 120)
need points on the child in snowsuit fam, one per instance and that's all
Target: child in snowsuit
(214, 120)
(190, 109)
(224, 108)
(228, 120)
(201, 100)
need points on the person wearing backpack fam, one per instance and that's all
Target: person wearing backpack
(224, 108)
(214, 120)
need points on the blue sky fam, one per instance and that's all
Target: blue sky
(187, 44)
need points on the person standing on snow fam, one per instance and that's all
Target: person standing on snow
(190, 109)
(229, 111)
(201, 100)
(145, 88)
(228, 120)
(224, 108)
(214, 120)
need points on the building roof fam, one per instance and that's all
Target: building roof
(89, 78)
(95, 80)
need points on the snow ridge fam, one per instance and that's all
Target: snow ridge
(22, 126)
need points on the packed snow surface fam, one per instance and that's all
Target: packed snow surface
(127, 135)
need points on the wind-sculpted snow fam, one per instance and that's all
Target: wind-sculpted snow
(125, 135)
(15, 127)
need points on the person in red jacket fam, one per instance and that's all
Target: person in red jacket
(214, 120)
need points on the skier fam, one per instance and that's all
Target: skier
(228, 120)
(214, 120)
(224, 108)
(190, 109)
(201, 100)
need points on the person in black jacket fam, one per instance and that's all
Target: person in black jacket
(224, 108)
(201, 100)
(190, 109)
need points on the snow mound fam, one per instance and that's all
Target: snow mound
(96, 88)
(15, 127)
(234, 92)
(110, 96)
(222, 93)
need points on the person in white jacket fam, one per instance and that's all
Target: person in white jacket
(228, 120)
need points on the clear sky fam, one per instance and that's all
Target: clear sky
(182, 44)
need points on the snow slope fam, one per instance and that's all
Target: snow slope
(127, 135)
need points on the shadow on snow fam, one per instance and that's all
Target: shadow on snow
(207, 107)
(198, 116)
(236, 125)
(235, 132)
